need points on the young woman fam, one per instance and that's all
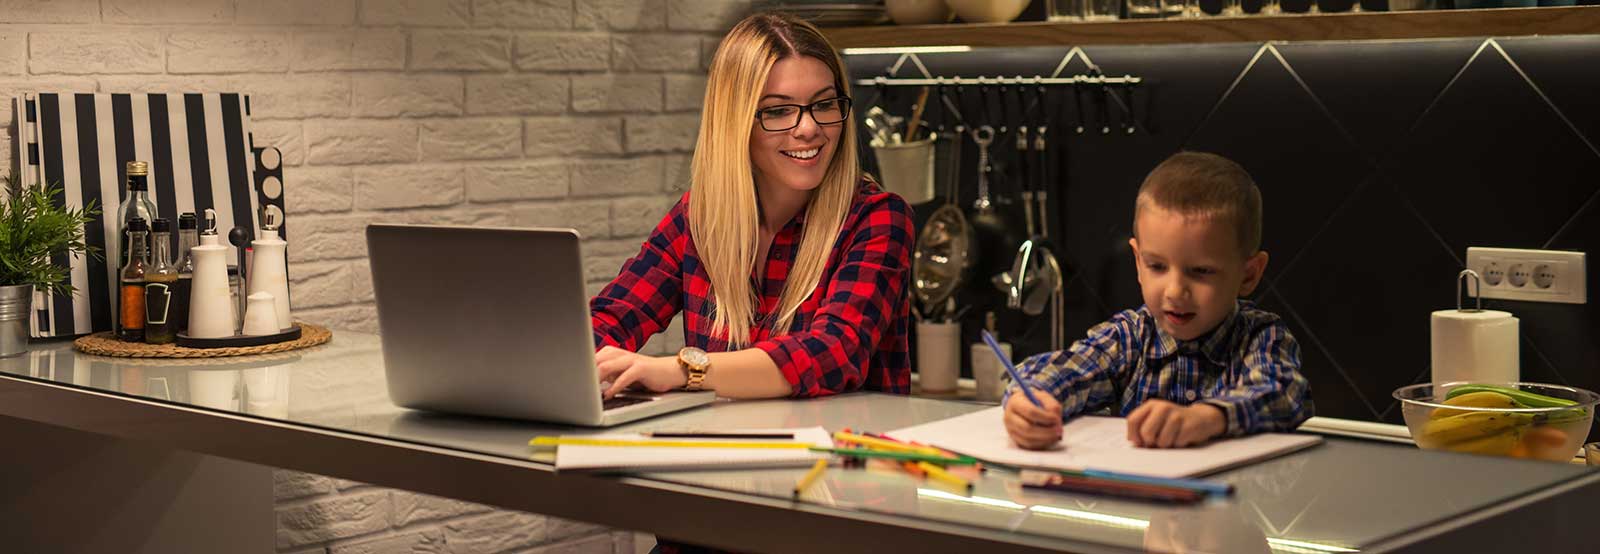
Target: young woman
(790, 268)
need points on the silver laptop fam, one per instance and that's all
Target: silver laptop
(494, 322)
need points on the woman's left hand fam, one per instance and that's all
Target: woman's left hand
(623, 368)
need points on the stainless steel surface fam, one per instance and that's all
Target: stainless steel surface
(326, 410)
(15, 303)
(492, 322)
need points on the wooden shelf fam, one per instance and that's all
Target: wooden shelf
(1574, 20)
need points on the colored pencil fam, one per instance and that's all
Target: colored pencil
(1207, 487)
(1005, 361)
(1135, 491)
(811, 476)
(575, 441)
(939, 474)
(893, 455)
(717, 435)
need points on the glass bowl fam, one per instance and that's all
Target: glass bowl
(1517, 431)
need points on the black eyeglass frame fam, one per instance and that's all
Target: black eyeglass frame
(804, 111)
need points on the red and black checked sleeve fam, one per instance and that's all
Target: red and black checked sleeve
(647, 293)
(831, 355)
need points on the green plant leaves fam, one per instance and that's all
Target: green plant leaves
(33, 229)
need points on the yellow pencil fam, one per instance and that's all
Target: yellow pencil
(939, 474)
(811, 476)
(575, 441)
(880, 444)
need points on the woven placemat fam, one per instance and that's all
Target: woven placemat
(103, 344)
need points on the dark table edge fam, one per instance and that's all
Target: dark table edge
(716, 518)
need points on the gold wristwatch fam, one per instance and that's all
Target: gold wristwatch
(695, 364)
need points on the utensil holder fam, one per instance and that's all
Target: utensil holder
(906, 169)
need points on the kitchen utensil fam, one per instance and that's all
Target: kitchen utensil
(879, 125)
(237, 236)
(211, 308)
(1035, 262)
(261, 316)
(269, 271)
(916, 115)
(990, 230)
(943, 250)
(906, 168)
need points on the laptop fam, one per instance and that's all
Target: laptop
(495, 322)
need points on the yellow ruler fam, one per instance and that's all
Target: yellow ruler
(575, 441)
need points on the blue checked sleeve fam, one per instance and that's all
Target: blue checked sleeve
(1271, 393)
(1084, 376)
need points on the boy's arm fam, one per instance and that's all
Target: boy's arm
(1083, 376)
(1273, 395)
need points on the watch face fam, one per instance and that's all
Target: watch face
(696, 357)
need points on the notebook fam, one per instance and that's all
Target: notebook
(1094, 442)
(644, 458)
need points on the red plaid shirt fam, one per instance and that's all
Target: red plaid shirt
(850, 334)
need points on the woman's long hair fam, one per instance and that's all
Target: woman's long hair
(723, 216)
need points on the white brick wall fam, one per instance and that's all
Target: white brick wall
(569, 113)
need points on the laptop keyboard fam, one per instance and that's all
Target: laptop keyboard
(620, 401)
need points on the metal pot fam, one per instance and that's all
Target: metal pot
(16, 302)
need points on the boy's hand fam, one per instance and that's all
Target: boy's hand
(1033, 427)
(1162, 424)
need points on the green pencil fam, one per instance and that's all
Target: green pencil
(905, 456)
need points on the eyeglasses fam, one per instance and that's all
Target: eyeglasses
(783, 117)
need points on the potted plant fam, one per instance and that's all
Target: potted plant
(33, 230)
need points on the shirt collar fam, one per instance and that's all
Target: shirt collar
(1216, 346)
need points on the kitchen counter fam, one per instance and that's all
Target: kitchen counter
(325, 410)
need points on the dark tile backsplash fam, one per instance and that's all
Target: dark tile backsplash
(1379, 162)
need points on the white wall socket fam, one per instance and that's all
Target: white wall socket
(1533, 275)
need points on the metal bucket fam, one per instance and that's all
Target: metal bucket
(16, 302)
(907, 169)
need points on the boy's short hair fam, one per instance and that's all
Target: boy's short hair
(1206, 185)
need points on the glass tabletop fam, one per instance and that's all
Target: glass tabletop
(1341, 496)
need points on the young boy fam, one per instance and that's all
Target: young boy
(1195, 362)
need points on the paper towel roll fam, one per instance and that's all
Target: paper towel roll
(1475, 345)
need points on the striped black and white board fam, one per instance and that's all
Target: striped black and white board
(201, 155)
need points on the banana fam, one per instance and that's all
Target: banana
(1457, 428)
(1480, 399)
(1525, 398)
(1498, 444)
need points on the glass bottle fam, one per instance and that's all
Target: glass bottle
(159, 279)
(130, 318)
(135, 204)
(188, 238)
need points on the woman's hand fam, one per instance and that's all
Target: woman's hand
(623, 368)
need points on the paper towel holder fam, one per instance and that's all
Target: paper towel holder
(1477, 283)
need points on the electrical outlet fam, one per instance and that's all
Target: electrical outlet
(1532, 275)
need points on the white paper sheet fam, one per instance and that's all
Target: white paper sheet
(643, 458)
(1093, 442)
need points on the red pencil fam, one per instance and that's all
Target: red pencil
(1135, 491)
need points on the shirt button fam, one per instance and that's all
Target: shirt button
(1189, 395)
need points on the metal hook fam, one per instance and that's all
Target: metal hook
(1477, 283)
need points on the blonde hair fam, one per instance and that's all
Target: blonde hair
(724, 218)
(1206, 185)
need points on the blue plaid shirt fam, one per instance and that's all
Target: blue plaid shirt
(1249, 366)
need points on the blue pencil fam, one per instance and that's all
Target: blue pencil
(1220, 489)
(1009, 368)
